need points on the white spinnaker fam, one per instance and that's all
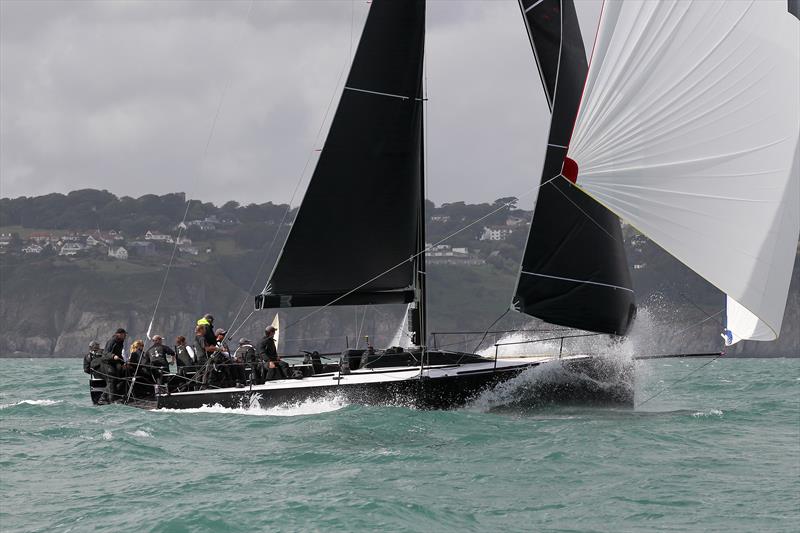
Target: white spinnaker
(688, 129)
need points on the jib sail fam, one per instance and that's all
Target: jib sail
(574, 270)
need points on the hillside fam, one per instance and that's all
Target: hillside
(54, 304)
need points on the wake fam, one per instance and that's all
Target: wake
(308, 407)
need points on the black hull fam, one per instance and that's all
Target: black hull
(595, 386)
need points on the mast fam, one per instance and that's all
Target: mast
(420, 266)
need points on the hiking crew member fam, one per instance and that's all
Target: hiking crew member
(277, 369)
(221, 359)
(246, 355)
(117, 342)
(135, 358)
(111, 368)
(92, 360)
(156, 358)
(208, 329)
(183, 359)
(201, 349)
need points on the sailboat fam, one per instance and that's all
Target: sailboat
(689, 139)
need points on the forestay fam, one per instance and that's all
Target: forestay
(688, 129)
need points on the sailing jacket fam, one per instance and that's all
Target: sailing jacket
(267, 350)
(182, 356)
(115, 345)
(157, 355)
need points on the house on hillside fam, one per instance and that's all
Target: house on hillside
(495, 233)
(158, 237)
(41, 238)
(203, 225)
(444, 254)
(71, 248)
(118, 252)
(92, 240)
(442, 219)
(32, 249)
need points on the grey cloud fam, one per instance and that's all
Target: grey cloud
(122, 96)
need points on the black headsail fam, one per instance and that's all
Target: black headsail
(360, 216)
(574, 271)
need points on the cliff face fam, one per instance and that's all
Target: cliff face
(53, 306)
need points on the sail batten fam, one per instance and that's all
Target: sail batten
(574, 263)
(707, 176)
(358, 223)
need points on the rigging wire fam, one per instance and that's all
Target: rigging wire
(681, 380)
(361, 327)
(182, 224)
(337, 91)
(485, 333)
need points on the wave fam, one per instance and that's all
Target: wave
(307, 407)
(710, 412)
(608, 381)
(30, 402)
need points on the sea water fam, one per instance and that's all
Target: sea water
(717, 450)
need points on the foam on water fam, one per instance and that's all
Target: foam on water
(140, 433)
(30, 402)
(710, 412)
(307, 407)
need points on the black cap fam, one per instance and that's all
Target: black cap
(208, 317)
(121, 330)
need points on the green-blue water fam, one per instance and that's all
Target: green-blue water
(720, 451)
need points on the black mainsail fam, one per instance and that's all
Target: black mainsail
(574, 270)
(361, 215)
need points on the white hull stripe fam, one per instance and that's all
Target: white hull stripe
(578, 281)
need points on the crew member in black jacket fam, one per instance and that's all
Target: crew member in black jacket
(277, 369)
(117, 342)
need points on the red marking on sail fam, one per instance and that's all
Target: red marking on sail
(570, 170)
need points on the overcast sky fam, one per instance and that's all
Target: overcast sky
(122, 95)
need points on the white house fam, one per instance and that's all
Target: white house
(495, 233)
(91, 240)
(118, 252)
(156, 236)
(32, 249)
(71, 248)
